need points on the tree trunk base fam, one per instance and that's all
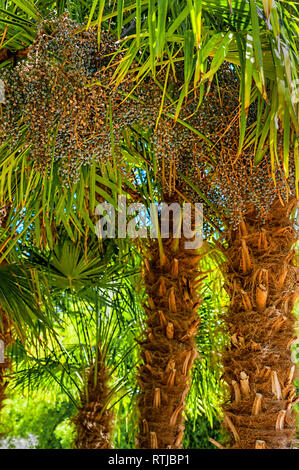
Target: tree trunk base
(93, 421)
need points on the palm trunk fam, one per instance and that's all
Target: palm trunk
(93, 421)
(169, 350)
(258, 365)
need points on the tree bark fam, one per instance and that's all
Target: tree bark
(169, 349)
(262, 283)
(6, 54)
(93, 421)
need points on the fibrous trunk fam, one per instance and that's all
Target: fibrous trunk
(169, 350)
(93, 421)
(263, 287)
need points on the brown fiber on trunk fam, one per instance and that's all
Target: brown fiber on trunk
(170, 349)
(263, 287)
(93, 421)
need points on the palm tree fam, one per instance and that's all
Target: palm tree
(103, 338)
(96, 308)
(171, 277)
(258, 39)
(95, 378)
(258, 242)
(184, 355)
(246, 36)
